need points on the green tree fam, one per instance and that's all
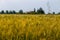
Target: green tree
(2, 12)
(40, 11)
(53, 12)
(14, 12)
(7, 11)
(21, 11)
(34, 10)
(10, 12)
(58, 12)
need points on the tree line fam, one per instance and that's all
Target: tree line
(38, 11)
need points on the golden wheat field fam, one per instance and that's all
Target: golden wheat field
(29, 27)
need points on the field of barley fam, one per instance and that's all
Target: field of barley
(29, 27)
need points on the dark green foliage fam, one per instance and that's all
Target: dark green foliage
(34, 10)
(53, 12)
(40, 11)
(14, 12)
(21, 11)
(10, 12)
(2, 12)
(7, 11)
(59, 13)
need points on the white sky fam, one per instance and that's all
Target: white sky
(28, 5)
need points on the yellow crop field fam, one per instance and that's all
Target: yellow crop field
(29, 27)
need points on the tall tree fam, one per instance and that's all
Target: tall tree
(10, 12)
(53, 12)
(40, 11)
(2, 12)
(58, 12)
(34, 10)
(21, 11)
(7, 11)
(14, 12)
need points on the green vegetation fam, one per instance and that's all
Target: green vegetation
(39, 11)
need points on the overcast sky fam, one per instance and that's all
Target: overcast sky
(28, 5)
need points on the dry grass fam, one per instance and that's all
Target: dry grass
(29, 27)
